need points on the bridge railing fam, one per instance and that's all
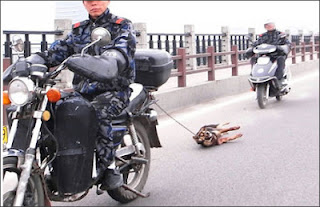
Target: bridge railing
(27, 43)
(208, 51)
(181, 72)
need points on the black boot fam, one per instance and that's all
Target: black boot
(112, 179)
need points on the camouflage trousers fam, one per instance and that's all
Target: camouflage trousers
(108, 105)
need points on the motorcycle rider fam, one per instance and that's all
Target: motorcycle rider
(108, 99)
(273, 37)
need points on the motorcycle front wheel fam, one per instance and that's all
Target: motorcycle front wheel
(262, 95)
(34, 195)
(136, 174)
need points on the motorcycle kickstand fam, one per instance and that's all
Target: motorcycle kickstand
(135, 191)
(99, 191)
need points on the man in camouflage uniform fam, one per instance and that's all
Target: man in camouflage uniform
(273, 37)
(109, 99)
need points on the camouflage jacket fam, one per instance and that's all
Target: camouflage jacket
(123, 39)
(272, 38)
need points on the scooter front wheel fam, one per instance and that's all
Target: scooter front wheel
(262, 95)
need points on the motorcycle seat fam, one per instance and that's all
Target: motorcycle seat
(137, 98)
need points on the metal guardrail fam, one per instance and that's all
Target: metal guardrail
(208, 50)
(211, 67)
(203, 41)
(27, 44)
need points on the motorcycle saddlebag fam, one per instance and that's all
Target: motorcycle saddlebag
(153, 67)
(75, 129)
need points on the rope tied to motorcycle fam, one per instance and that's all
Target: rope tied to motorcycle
(209, 135)
(164, 111)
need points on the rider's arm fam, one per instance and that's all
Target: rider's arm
(58, 51)
(259, 41)
(123, 46)
(284, 44)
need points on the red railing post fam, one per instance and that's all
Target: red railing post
(211, 63)
(294, 53)
(6, 63)
(234, 60)
(311, 50)
(317, 49)
(303, 51)
(182, 63)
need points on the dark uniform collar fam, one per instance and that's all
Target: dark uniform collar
(102, 18)
(272, 31)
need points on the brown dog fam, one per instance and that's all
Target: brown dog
(210, 135)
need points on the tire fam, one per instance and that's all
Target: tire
(138, 183)
(34, 195)
(262, 95)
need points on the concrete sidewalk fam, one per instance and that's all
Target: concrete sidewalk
(199, 89)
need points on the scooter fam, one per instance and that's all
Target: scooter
(262, 78)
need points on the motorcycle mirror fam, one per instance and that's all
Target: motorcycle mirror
(101, 34)
(17, 43)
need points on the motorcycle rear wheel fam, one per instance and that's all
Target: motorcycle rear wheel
(262, 95)
(140, 174)
(34, 195)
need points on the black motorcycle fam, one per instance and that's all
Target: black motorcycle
(50, 152)
(262, 78)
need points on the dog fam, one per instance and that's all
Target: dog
(210, 135)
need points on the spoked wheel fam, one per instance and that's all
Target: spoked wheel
(135, 170)
(262, 95)
(34, 195)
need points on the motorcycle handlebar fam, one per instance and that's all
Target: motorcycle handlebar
(61, 67)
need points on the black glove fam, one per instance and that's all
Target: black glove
(35, 59)
(249, 52)
(98, 68)
(122, 62)
(21, 67)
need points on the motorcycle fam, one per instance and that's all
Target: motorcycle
(262, 78)
(50, 149)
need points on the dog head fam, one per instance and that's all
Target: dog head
(206, 136)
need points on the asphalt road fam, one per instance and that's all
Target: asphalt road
(276, 162)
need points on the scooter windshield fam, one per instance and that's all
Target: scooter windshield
(264, 49)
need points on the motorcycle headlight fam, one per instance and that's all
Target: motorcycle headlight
(21, 91)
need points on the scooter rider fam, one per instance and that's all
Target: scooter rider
(109, 99)
(273, 37)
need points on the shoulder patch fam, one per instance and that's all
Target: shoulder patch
(78, 24)
(118, 21)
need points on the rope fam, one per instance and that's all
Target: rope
(175, 119)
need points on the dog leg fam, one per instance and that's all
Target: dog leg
(227, 139)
